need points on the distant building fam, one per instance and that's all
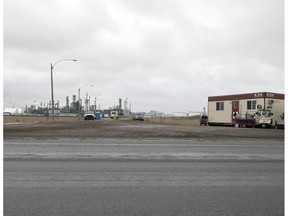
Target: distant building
(179, 114)
(156, 114)
(13, 111)
(191, 113)
(185, 114)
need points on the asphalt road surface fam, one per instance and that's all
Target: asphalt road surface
(143, 177)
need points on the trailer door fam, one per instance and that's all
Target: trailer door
(235, 110)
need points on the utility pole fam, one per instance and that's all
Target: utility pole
(79, 104)
(130, 108)
(52, 95)
(95, 106)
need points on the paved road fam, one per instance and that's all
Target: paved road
(144, 177)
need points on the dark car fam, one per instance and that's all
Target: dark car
(89, 117)
(138, 117)
(203, 120)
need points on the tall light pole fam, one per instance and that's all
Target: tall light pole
(52, 96)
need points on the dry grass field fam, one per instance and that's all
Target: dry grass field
(20, 127)
(14, 119)
(167, 121)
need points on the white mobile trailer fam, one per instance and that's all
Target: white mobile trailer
(222, 110)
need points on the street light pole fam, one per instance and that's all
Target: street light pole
(52, 94)
(79, 104)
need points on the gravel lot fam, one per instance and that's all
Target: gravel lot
(127, 129)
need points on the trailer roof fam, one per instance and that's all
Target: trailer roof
(247, 96)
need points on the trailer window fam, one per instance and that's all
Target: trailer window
(251, 104)
(219, 106)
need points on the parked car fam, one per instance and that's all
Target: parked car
(203, 120)
(138, 117)
(89, 117)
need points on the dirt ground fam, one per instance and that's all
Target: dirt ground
(68, 128)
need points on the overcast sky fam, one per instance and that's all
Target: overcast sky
(164, 55)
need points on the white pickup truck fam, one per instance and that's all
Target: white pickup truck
(114, 114)
(263, 118)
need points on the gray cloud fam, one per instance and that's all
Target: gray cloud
(163, 55)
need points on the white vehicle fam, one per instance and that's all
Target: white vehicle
(265, 122)
(138, 117)
(114, 114)
(264, 118)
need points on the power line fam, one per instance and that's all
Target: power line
(69, 90)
